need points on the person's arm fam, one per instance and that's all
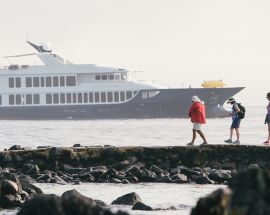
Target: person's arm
(237, 109)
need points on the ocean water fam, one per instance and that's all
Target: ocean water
(134, 132)
(142, 132)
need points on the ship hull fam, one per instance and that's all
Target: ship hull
(168, 103)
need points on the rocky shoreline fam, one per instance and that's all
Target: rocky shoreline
(213, 164)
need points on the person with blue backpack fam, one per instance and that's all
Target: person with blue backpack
(238, 113)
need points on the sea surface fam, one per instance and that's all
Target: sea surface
(141, 132)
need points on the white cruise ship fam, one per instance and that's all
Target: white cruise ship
(61, 90)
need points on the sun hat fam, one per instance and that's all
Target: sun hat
(195, 99)
(230, 100)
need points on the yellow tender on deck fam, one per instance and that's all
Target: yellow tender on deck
(213, 84)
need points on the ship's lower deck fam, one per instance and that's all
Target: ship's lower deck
(167, 103)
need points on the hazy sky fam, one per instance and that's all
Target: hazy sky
(172, 41)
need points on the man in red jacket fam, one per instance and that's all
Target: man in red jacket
(197, 115)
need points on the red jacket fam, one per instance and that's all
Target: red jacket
(197, 113)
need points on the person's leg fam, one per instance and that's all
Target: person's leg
(268, 132)
(237, 134)
(231, 133)
(202, 136)
(193, 136)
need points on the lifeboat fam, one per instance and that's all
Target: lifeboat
(213, 84)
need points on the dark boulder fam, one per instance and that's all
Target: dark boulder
(147, 176)
(77, 145)
(214, 204)
(30, 169)
(220, 176)
(190, 172)
(132, 170)
(15, 147)
(177, 170)
(8, 187)
(141, 206)
(87, 177)
(75, 203)
(11, 177)
(156, 169)
(165, 179)
(43, 205)
(30, 188)
(251, 191)
(203, 180)
(248, 194)
(127, 199)
(179, 178)
(72, 170)
(11, 201)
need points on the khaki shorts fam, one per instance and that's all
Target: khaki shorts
(197, 126)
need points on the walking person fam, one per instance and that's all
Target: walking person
(235, 121)
(197, 115)
(267, 119)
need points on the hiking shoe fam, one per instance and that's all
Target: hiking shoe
(228, 141)
(237, 142)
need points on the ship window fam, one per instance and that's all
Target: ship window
(36, 81)
(116, 96)
(18, 99)
(28, 82)
(28, 99)
(71, 81)
(68, 97)
(62, 81)
(91, 99)
(48, 98)
(117, 77)
(11, 82)
(0, 99)
(11, 99)
(36, 99)
(122, 96)
(124, 77)
(74, 97)
(104, 77)
(144, 95)
(55, 98)
(96, 97)
(103, 97)
(62, 98)
(97, 77)
(55, 81)
(79, 97)
(109, 97)
(42, 82)
(129, 94)
(48, 81)
(18, 82)
(85, 97)
(111, 77)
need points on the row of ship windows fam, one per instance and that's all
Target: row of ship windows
(63, 98)
(54, 81)
(110, 77)
(93, 97)
(28, 99)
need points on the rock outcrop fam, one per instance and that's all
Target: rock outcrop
(70, 203)
(248, 194)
